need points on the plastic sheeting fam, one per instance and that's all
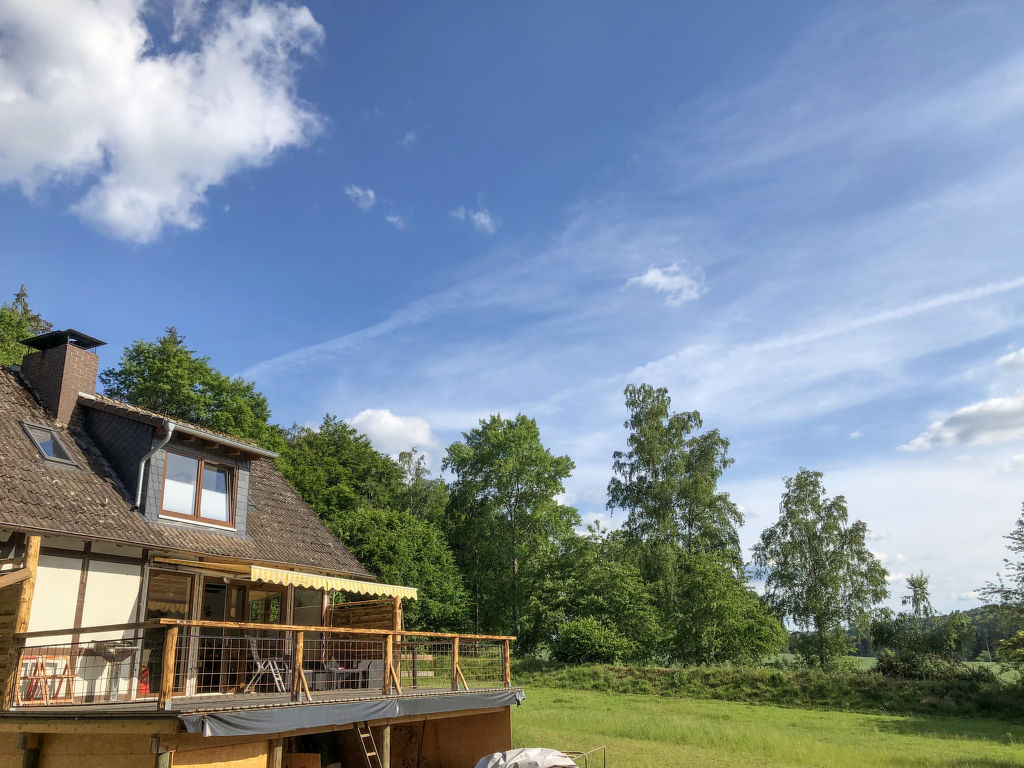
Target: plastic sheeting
(527, 757)
(249, 722)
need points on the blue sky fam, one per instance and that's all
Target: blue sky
(803, 220)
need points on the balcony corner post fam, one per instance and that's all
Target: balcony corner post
(167, 667)
(455, 663)
(297, 674)
(388, 651)
(506, 652)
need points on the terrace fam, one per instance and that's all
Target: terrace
(184, 665)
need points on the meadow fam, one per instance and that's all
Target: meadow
(645, 731)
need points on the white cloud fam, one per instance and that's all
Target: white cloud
(888, 560)
(679, 286)
(1014, 464)
(364, 198)
(398, 222)
(87, 101)
(408, 140)
(1013, 361)
(481, 219)
(996, 420)
(856, 434)
(392, 434)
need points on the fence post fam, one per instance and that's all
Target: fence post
(455, 663)
(22, 610)
(508, 666)
(167, 667)
(388, 649)
(297, 666)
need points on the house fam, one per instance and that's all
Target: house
(166, 598)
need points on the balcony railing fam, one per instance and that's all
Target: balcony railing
(170, 663)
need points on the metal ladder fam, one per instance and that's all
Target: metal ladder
(368, 745)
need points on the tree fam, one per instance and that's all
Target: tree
(335, 468)
(820, 573)
(424, 496)
(1008, 591)
(18, 322)
(399, 548)
(167, 377)
(720, 619)
(667, 482)
(917, 598)
(505, 516)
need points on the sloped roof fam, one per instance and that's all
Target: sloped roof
(90, 502)
(109, 404)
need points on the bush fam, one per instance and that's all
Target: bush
(984, 656)
(587, 641)
(926, 666)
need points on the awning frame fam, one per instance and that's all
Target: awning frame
(328, 583)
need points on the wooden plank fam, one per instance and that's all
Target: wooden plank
(455, 664)
(297, 666)
(105, 725)
(506, 650)
(10, 578)
(329, 630)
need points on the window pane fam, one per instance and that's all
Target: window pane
(309, 607)
(214, 502)
(180, 484)
(48, 445)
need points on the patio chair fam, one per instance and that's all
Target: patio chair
(274, 666)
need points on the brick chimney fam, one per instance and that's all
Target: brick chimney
(60, 368)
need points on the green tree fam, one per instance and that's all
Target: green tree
(18, 322)
(505, 517)
(667, 483)
(335, 468)
(168, 377)
(594, 577)
(1008, 590)
(820, 573)
(720, 619)
(917, 597)
(426, 497)
(399, 548)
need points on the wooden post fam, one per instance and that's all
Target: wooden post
(384, 752)
(388, 650)
(396, 623)
(276, 753)
(167, 667)
(21, 617)
(30, 744)
(455, 663)
(297, 667)
(508, 664)
(162, 760)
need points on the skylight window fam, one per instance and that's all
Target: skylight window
(47, 443)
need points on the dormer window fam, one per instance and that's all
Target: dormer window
(48, 444)
(198, 489)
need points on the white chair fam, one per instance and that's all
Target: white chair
(273, 666)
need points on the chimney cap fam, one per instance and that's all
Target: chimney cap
(60, 338)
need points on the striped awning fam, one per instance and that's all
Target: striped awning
(330, 583)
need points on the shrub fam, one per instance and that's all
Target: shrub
(927, 666)
(985, 656)
(587, 641)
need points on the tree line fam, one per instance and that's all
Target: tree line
(494, 549)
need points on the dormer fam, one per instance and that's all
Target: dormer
(190, 476)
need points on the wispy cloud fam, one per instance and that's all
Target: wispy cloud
(481, 219)
(677, 285)
(407, 141)
(996, 420)
(363, 197)
(398, 222)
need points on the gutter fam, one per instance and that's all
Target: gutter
(169, 426)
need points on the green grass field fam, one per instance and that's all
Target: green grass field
(643, 731)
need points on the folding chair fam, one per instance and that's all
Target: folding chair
(273, 666)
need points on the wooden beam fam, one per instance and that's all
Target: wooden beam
(331, 630)
(508, 663)
(204, 565)
(167, 667)
(10, 578)
(21, 617)
(55, 723)
(455, 664)
(297, 666)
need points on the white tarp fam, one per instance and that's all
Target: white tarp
(528, 757)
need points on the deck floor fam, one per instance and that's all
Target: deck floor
(181, 705)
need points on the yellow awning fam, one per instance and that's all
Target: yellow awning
(331, 583)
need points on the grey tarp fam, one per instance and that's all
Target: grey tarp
(248, 722)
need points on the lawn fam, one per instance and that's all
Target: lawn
(643, 731)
